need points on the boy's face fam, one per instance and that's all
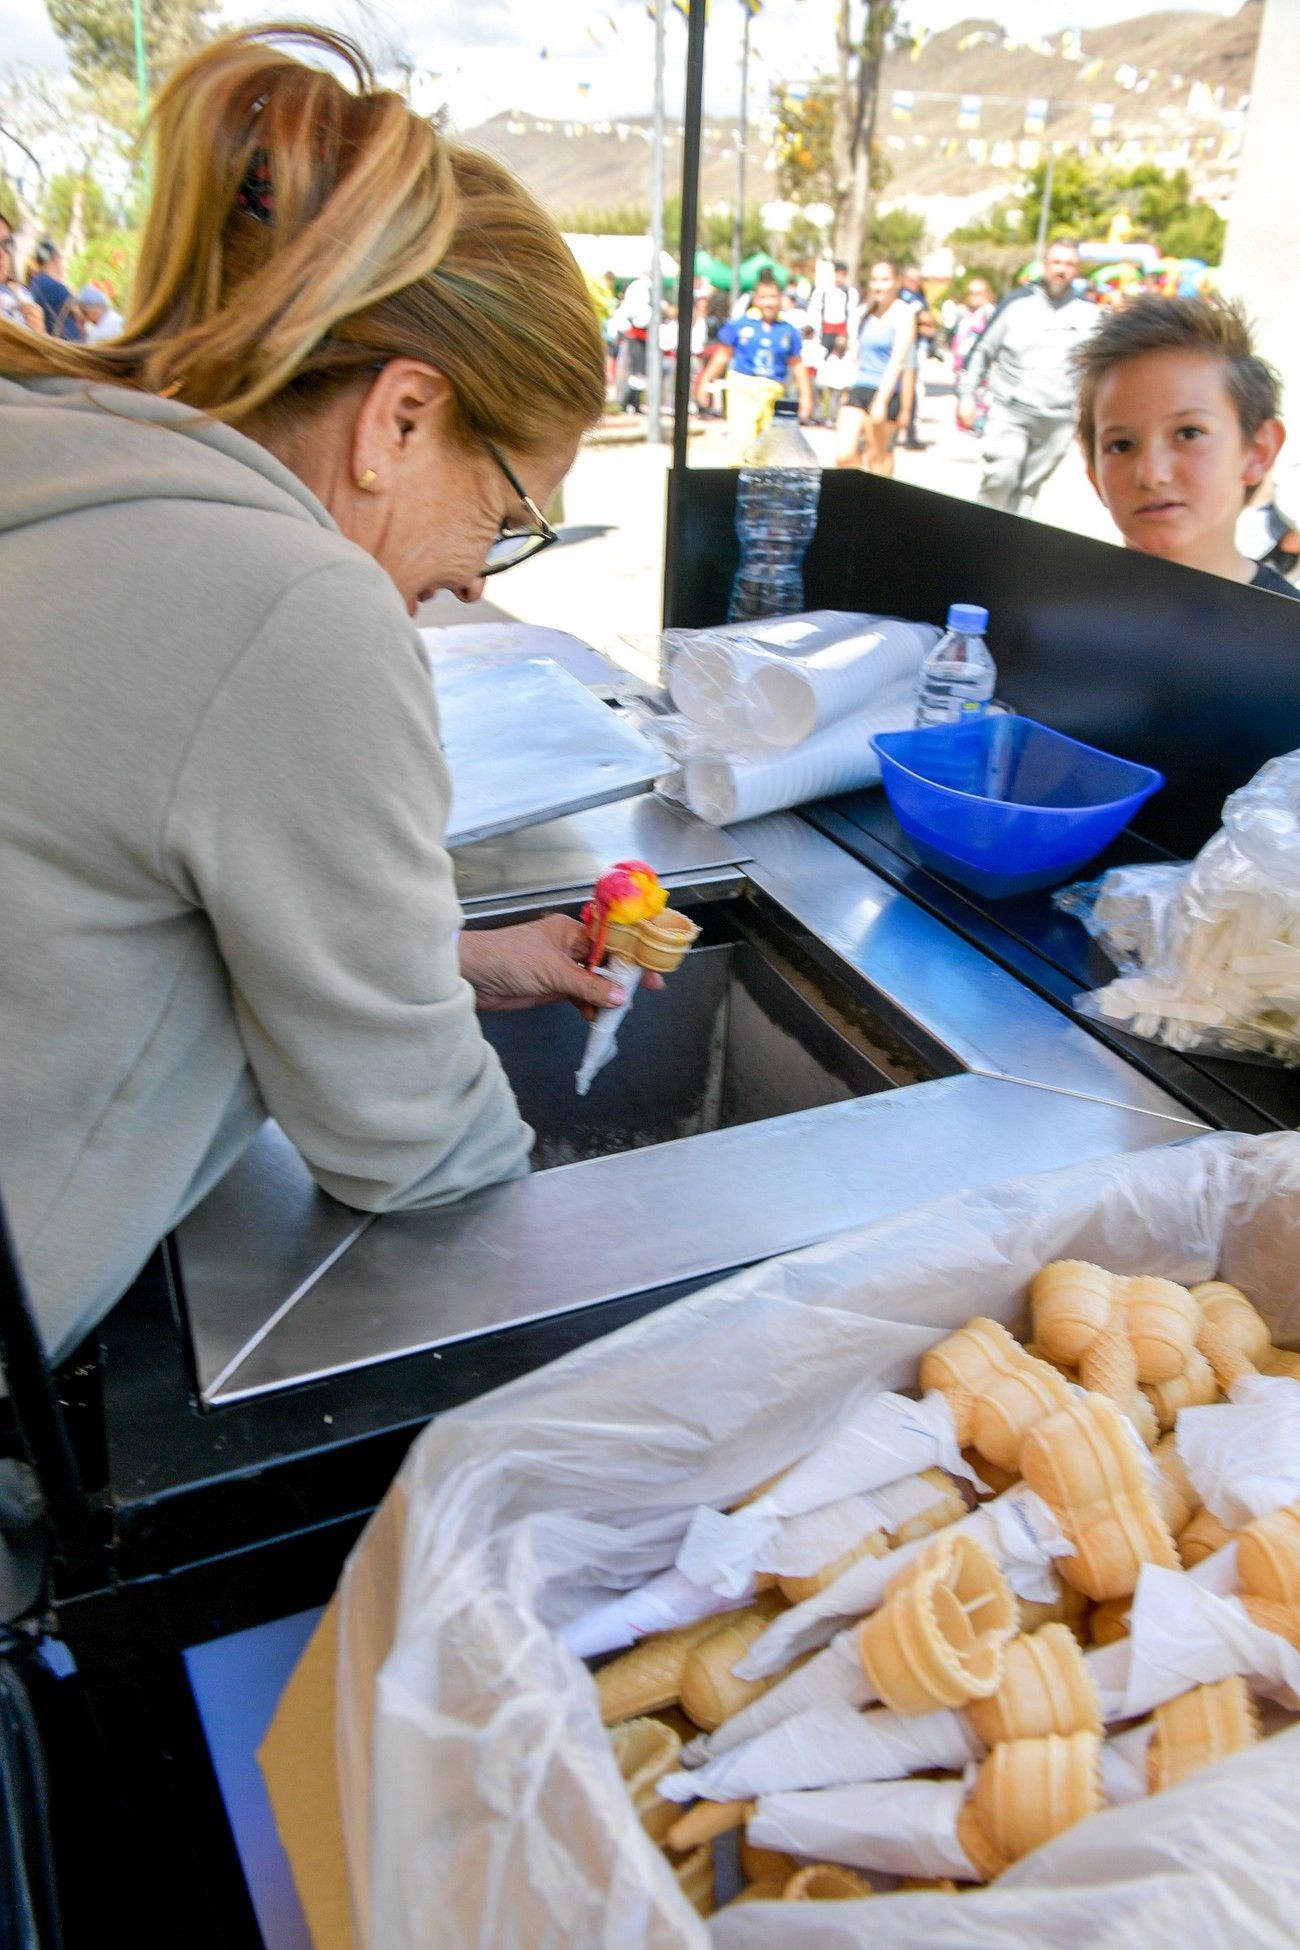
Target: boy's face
(1170, 461)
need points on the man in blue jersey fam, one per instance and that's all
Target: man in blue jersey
(762, 352)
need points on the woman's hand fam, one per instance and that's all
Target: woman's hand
(879, 410)
(537, 962)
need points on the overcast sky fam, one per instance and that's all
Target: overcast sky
(583, 59)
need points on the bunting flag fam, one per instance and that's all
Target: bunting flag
(901, 104)
(1029, 153)
(1035, 116)
(1103, 115)
(752, 7)
(968, 114)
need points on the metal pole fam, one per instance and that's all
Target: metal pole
(1045, 213)
(738, 226)
(654, 364)
(690, 199)
(141, 69)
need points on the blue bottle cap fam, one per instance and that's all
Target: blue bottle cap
(969, 618)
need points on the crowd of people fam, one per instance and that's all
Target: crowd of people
(40, 301)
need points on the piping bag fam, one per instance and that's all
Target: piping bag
(630, 928)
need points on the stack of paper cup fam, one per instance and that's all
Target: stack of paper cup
(723, 788)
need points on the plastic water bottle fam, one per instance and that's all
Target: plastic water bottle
(776, 512)
(958, 677)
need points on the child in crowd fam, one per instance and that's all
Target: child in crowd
(1178, 420)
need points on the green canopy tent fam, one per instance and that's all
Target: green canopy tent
(711, 267)
(753, 267)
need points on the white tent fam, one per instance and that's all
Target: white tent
(626, 257)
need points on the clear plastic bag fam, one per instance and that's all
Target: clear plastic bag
(1209, 952)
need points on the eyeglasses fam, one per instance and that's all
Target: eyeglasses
(515, 545)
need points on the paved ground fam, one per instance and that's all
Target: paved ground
(604, 582)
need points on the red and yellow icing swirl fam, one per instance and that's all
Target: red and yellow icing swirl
(626, 893)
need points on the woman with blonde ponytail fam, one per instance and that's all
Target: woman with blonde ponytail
(357, 362)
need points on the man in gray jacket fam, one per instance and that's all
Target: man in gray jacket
(1024, 359)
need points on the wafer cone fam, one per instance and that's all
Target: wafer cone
(942, 1885)
(948, 1506)
(1272, 1617)
(1083, 1463)
(695, 1878)
(1227, 1308)
(1200, 1537)
(1070, 1303)
(1160, 1319)
(1282, 1361)
(1224, 1356)
(1027, 1791)
(874, 1544)
(992, 1479)
(1268, 1556)
(710, 1691)
(826, 1882)
(1195, 1387)
(771, 1890)
(1110, 1621)
(1108, 1365)
(1174, 1492)
(650, 1674)
(662, 942)
(976, 1846)
(1040, 1353)
(646, 1750)
(1067, 1608)
(1198, 1728)
(996, 1390)
(938, 1638)
(765, 1864)
(704, 1821)
(621, 939)
(1046, 1688)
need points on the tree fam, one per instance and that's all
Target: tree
(858, 64)
(896, 234)
(100, 34)
(1087, 193)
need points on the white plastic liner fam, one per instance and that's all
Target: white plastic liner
(481, 1803)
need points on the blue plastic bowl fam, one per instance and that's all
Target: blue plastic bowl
(1003, 805)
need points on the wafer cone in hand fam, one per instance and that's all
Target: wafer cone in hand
(1084, 1464)
(710, 1691)
(996, 1390)
(650, 1674)
(1027, 1791)
(1227, 1308)
(1195, 1387)
(663, 941)
(826, 1882)
(645, 1751)
(938, 1638)
(1200, 1537)
(1046, 1688)
(1268, 1556)
(1198, 1728)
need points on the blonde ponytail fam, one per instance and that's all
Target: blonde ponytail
(302, 232)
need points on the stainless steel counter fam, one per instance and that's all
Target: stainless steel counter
(283, 1285)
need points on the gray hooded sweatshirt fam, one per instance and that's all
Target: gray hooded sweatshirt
(223, 889)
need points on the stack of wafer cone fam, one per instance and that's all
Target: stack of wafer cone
(710, 1692)
(660, 943)
(995, 1389)
(1110, 1621)
(646, 1750)
(1067, 1608)
(1117, 1333)
(1198, 1728)
(650, 1675)
(947, 1506)
(1026, 1792)
(1268, 1571)
(938, 1638)
(1084, 1464)
(1196, 1387)
(797, 1590)
(1200, 1537)
(1174, 1489)
(1046, 1688)
(1226, 1308)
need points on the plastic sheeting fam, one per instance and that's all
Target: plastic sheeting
(481, 1802)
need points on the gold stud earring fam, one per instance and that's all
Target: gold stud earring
(367, 480)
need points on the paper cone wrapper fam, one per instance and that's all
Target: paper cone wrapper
(831, 1746)
(906, 1828)
(833, 1677)
(1183, 1635)
(1016, 1528)
(602, 1037)
(1243, 1457)
(1124, 1765)
(666, 1602)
